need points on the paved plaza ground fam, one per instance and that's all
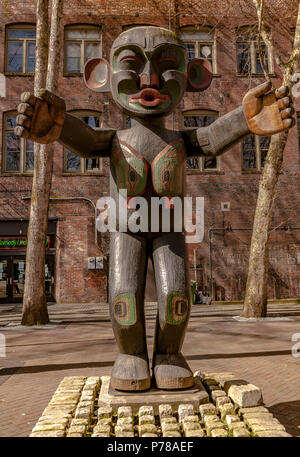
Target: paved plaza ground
(80, 341)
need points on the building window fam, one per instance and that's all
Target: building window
(195, 119)
(72, 162)
(200, 43)
(255, 149)
(20, 49)
(248, 60)
(81, 44)
(17, 152)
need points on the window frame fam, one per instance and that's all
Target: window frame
(201, 159)
(83, 41)
(83, 170)
(199, 42)
(259, 167)
(24, 48)
(23, 149)
(252, 41)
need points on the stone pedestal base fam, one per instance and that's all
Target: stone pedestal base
(109, 397)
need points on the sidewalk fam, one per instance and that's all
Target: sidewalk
(80, 341)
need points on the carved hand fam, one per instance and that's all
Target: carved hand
(40, 118)
(268, 113)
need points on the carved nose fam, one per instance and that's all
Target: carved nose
(149, 78)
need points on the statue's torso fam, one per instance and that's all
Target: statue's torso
(148, 161)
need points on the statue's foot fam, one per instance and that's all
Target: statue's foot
(171, 371)
(130, 373)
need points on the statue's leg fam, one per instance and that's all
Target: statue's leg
(126, 291)
(173, 291)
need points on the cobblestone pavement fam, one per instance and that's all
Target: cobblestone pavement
(80, 342)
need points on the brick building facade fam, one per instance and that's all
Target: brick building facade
(229, 185)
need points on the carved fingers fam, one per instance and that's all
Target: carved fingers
(268, 112)
(40, 118)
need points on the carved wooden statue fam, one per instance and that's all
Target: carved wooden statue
(148, 76)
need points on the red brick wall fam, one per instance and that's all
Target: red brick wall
(74, 282)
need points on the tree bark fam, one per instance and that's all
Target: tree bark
(256, 296)
(47, 67)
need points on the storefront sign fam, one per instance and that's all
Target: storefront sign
(7, 242)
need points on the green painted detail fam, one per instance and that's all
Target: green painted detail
(130, 168)
(167, 170)
(177, 308)
(124, 309)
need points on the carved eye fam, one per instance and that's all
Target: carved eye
(166, 176)
(132, 176)
(130, 62)
(168, 60)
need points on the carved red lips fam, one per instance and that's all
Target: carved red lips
(149, 97)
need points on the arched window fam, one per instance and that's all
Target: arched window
(200, 118)
(248, 59)
(200, 43)
(17, 152)
(72, 162)
(20, 49)
(82, 42)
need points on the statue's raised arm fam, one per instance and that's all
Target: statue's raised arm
(262, 113)
(44, 119)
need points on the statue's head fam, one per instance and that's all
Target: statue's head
(148, 72)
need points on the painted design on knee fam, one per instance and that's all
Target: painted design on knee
(177, 308)
(124, 308)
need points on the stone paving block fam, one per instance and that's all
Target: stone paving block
(185, 410)
(49, 433)
(165, 411)
(100, 435)
(123, 428)
(170, 427)
(168, 420)
(222, 401)
(146, 420)
(219, 433)
(231, 418)
(191, 426)
(48, 427)
(102, 428)
(83, 413)
(273, 434)
(120, 434)
(260, 421)
(190, 419)
(105, 421)
(236, 425)
(124, 411)
(146, 411)
(171, 434)
(104, 412)
(240, 432)
(214, 425)
(244, 395)
(254, 409)
(217, 394)
(263, 428)
(125, 420)
(210, 419)
(226, 409)
(81, 429)
(79, 421)
(149, 435)
(194, 433)
(207, 409)
(146, 428)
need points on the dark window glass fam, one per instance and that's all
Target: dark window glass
(264, 142)
(12, 152)
(243, 58)
(92, 164)
(192, 163)
(21, 33)
(30, 57)
(249, 153)
(92, 121)
(73, 57)
(210, 163)
(15, 56)
(259, 68)
(128, 122)
(190, 51)
(198, 121)
(72, 161)
(29, 158)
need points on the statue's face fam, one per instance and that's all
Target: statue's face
(149, 75)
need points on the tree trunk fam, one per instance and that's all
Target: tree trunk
(256, 296)
(34, 300)
(255, 304)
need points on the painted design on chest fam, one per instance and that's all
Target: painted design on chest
(131, 169)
